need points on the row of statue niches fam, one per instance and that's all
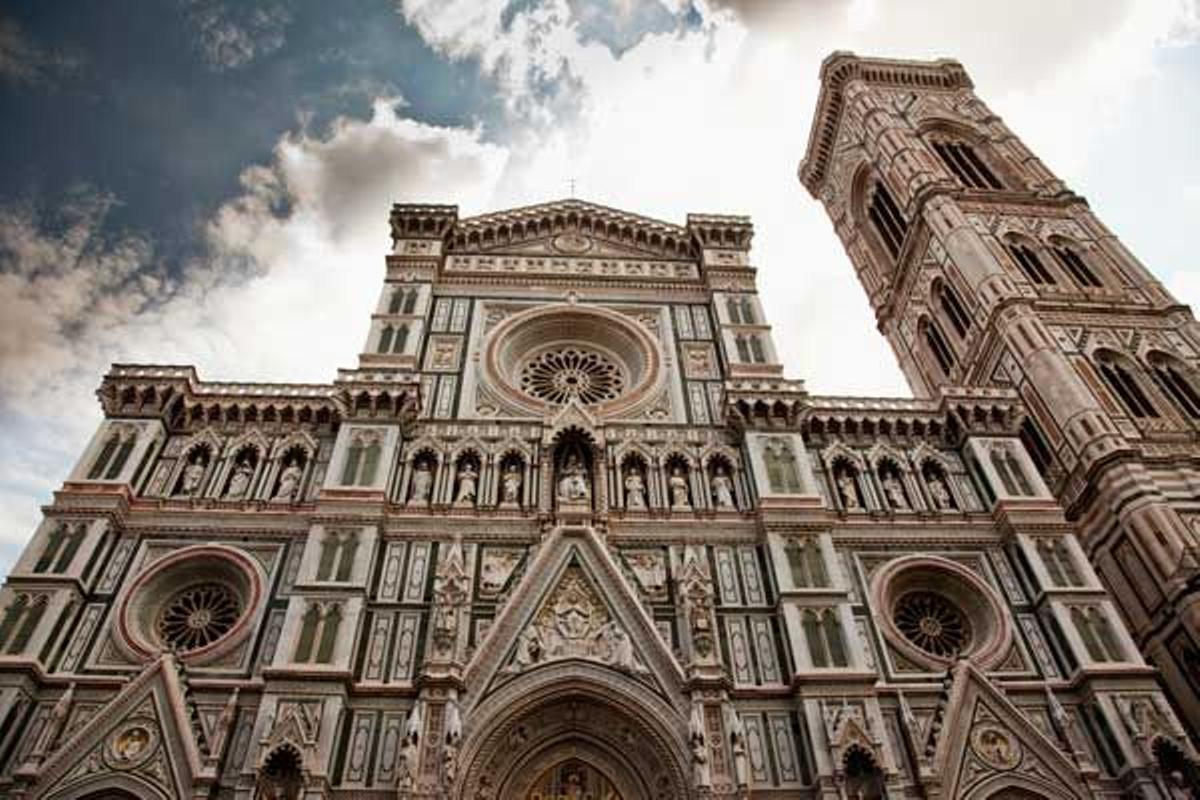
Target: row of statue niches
(245, 476)
(894, 490)
(573, 483)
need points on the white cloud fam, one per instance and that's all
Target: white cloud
(24, 61)
(715, 116)
(231, 35)
(279, 297)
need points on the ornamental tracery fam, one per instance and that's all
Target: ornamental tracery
(198, 615)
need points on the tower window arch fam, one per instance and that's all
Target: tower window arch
(113, 456)
(410, 301)
(1029, 262)
(1120, 378)
(401, 339)
(806, 562)
(385, 339)
(888, 221)
(823, 634)
(733, 307)
(952, 308)
(961, 159)
(1172, 376)
(1035, 443)
(362, 460)
(396, 302)
(936, 342)
(1068, 256)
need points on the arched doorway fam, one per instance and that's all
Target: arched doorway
(1014, 793)
(574, 726)
(573, 778)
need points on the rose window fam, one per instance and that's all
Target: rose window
(198, 616)
(932, 623)
(197, 601)
(572, 373)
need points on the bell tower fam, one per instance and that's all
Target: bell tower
(985, 270)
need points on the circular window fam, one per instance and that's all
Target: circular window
(197, 602)
(572, 373)
(548, 356)
(932, 623)
(198, 616)
(933, 610)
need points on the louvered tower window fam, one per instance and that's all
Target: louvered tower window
(962, 160)
(888, 221)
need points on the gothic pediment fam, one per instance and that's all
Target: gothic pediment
(570, 229)
(574, 622)
(988, 742)
(142, 739)
(574, 602)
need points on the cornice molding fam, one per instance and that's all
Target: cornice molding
(841, 68)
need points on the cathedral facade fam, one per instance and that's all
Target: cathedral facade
(567, 531)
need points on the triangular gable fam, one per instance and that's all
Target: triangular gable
(142, 736)
(569, 228)
(987, 742)
(574, 575)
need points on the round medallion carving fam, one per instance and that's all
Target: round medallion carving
(571, 243)
(995, 746)
(933, 610)
(132, 744)
(197, 602)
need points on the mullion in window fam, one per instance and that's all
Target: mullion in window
(893, 212)
(974, 179)
(1181, 388)
(1145, 409)
(989, 178)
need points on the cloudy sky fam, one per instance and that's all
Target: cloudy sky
(207, 181)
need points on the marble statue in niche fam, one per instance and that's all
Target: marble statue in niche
(573, 481)
(894, 489)
(422, 484)
(939, 492)
(239, 484)
(678, 485)
(193, 473)
(468, 481)
(510, 485)
(635, 489)
(289, 482)
(722, 488)
(847, 487)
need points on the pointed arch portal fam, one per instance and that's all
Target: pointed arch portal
(575, 725)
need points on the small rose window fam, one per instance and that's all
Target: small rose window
(572, 373)
(198, 616)
(933, 623)
(198, 601)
